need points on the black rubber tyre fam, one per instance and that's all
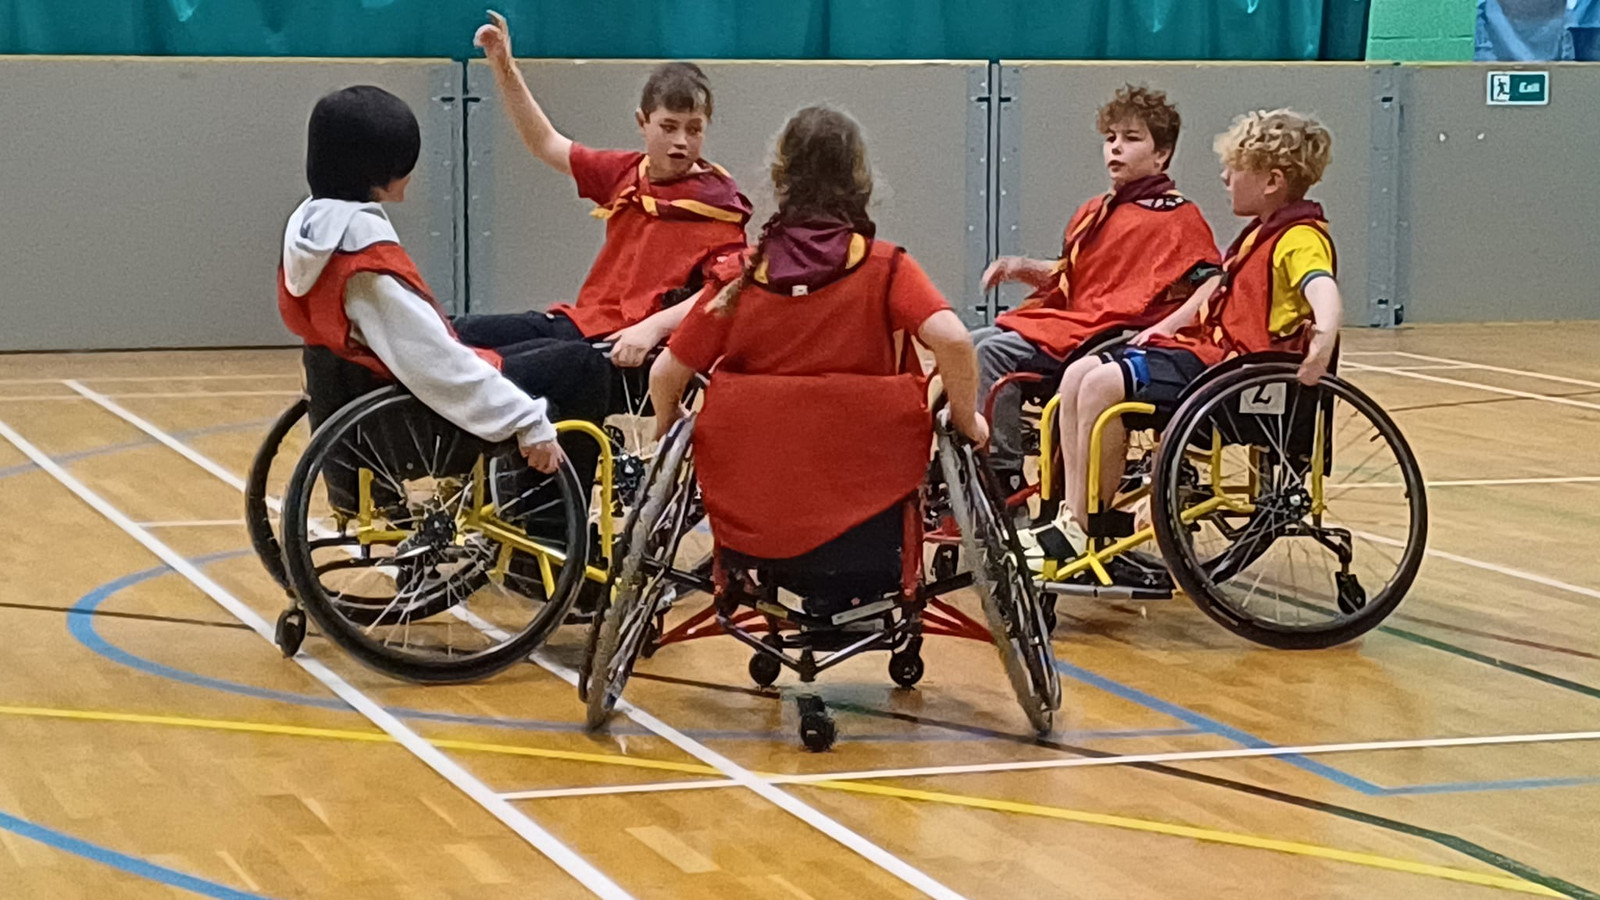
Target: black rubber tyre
(817, 731)
(257, 514)
(764, 670)
(1002, 581)
(1225, 406)
(648, 543)
(290, 632)
(946, 562)
(906, 668)
(372, 431)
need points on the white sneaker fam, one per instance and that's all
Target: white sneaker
(1069, 527)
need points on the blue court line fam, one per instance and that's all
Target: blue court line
(1211, 726)
(83, 627)
(1513, 784)
(130, 864)
(76, 455)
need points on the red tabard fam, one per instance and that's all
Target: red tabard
(657, 235)
(1121, 271)
(319, 319)
(824, 427)
(1237, 318)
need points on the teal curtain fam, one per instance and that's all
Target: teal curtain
(736, 29)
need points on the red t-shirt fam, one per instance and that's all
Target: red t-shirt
(831, 330)
(644, 255)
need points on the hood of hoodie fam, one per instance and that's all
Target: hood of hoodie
(320, 228)
(810, 253)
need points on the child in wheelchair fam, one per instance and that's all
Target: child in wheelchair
(1128, 258)
(668, 213)
(809, 339)
(350, 291)
(1277, 294)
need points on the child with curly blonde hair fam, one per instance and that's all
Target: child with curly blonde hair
(1277, 293)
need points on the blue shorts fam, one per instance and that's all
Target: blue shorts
(1156, 375)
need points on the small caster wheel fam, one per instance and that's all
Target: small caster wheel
(906, 668)
(817, 731)
(764, 669)
(1048, 601)
(945, 560)
(1352, 596)
(291, 631)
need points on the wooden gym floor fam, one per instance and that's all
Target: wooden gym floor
(153, 745)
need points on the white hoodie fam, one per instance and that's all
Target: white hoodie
(403, 330)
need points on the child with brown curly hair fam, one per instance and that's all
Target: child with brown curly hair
(1129, 257)
(1277, 293)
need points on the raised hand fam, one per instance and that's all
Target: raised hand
(494, 38)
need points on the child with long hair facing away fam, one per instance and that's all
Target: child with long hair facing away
(815, 421)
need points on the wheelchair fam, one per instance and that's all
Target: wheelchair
(837, 614)
(1296, 517)
(424, 552)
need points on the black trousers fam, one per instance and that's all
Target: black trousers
(576, 381)
(499, 330)
(514, 333)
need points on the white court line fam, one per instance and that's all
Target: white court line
(177, 395)
(171, 442)
(1081, 762)
(1509, 392)
(1526, 373)
(647, 788)
(1490, 567)
(1452, 367)
(294, 375)
(1474, 482)
(796, 807)
(517, 821)
(193, 523)
(790, 804)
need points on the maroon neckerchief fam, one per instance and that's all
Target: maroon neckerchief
(810, 252)
(1260, 231)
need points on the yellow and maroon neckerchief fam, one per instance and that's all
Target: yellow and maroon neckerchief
(692, 197)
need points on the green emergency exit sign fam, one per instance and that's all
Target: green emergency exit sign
(1519, 88)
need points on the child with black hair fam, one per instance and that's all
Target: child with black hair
(347, 284)
(669, 214)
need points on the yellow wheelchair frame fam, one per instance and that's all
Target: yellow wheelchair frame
(479, 516)
(1236, 498)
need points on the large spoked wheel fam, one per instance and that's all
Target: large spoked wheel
(1000, 576)
(1294, 516)
(643, 588)
(387, 545)
(257, 506)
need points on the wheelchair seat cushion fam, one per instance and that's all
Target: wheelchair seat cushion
(864, 563)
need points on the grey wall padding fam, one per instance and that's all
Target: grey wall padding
(144, 200)
(1500, 198)
(1061, 162)
(533, 239)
